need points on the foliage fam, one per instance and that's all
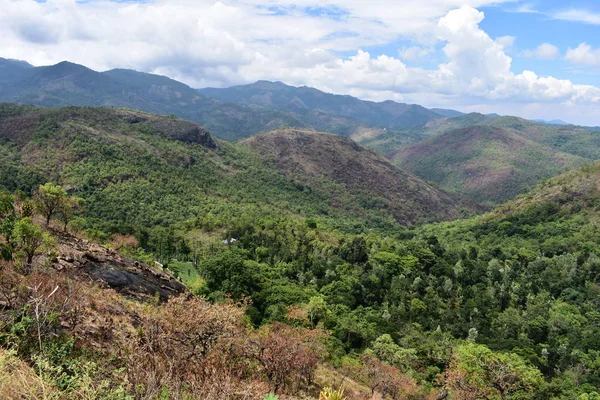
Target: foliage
(476, 372)
(331, 394)
(504, 304)
(50, 199)
(29, 239)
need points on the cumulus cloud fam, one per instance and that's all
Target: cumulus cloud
(221, 43)
(544, 51)
(584, 55)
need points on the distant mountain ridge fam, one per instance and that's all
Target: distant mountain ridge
(277, 95)
(488, 164)
(230, 114)
(553, 122)
(67, 84)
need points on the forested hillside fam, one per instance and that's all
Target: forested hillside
(311, 158)
(487, 158)
(487, 164)
(139, 172)
(294, 284)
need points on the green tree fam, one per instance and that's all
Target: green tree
(477, 372)
(316, 309)
(49, 199)
(67, 209)
(29, 239)
(230, 273)
(7, 219)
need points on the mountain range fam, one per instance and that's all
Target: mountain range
(483, 165)
(302, 240)
(230, 114)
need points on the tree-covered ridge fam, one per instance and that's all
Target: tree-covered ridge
(488, 158)
(68, 84)
(140, 171)
(488, 164)
(302, 100)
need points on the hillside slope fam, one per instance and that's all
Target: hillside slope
(143, 170)
(576, 140)
(575, 191)
(312, 157)
(485, 163)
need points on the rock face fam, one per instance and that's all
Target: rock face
(184, 131)
(131, 278)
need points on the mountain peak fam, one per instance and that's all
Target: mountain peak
(264, 84)
(14, 62)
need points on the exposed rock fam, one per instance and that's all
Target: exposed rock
(184, 131)
(132, 278)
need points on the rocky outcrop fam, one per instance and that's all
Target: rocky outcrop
(131, 278)
(183, 131)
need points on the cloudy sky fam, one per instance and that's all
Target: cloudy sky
(536, 59)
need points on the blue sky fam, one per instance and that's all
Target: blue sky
(533, 58)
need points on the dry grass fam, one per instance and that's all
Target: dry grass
(19, 381)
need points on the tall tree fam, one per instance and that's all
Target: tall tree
(49, 199)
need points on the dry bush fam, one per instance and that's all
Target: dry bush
(297, 316)
(188, 346)
(41, 305)
(288, 355)
(118, 241)
(383, 379)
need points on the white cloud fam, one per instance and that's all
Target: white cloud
(584, 55)
(415, 53)
(544, 51)
(221, 43)
(506, 41)
(578, 15)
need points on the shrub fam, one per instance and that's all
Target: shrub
(330, 394)
(288, 356)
